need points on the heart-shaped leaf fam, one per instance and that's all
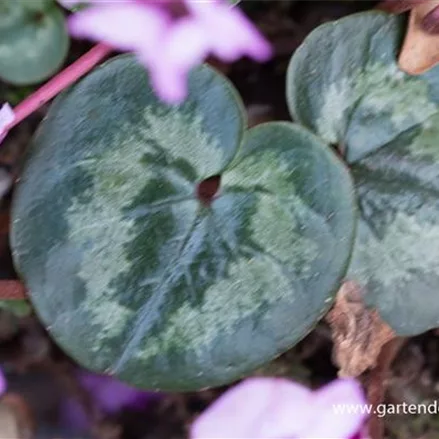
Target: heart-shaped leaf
(33, 40)
(345, 85)
(136, 267)
(396, 257)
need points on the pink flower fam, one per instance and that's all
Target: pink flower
(170, 46)
(109, 396)
(3, 383)
(229, 33)
(272, 408)
(7, 116)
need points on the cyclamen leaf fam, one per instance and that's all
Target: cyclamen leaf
(33, 40)
(345, 85)
(133, 275)
(396, 256)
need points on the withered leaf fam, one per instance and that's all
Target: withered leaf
(358, 332)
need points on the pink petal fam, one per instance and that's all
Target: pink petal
(274, 408)
(170, 86)
(289, 414)
(127, 26)
(3, 383)
(169, 83)
(186, 44)
(255, 408)
(230, 33)
(7, 116)
(343, 392)
(184, 47)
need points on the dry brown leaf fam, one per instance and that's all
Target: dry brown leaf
(420, 51)
(358, 333)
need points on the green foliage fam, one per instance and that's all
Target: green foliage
(345, 85)
(396, 255)
(33, 40)
(20, 308)
(136, 274)
(133, 274)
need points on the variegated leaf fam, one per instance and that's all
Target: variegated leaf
(345, 85)
(396, 256)
(33, 40)
(133, 274)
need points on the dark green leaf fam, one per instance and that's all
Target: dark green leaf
(344, 84)
(33, 40)
(396, 257)
(133, 275)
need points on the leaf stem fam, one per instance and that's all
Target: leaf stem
(59, 82)
(377, 384)
(12, 290)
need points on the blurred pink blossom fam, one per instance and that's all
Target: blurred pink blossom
(3, 383)
(276, 408)
(7, 116)
(168, 45)
(109, 396)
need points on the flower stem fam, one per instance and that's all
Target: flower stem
(59, 82)
(377, 384)
(12, 290)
